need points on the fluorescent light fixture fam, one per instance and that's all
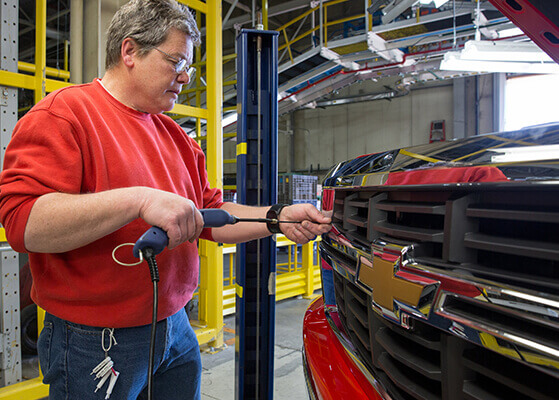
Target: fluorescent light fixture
(228, 120)
(527, 153)
(437, 3)
(489, 56)
(378, 45)
(504, 51)
(335, 57)
(510, 32)
(329, 54)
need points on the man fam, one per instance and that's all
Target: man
(93, 166)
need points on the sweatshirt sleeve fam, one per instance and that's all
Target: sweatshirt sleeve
(42, 157)
(212, 197)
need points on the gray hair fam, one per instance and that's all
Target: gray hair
(148, 23)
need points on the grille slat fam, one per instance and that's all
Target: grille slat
(359, 204)
(357, 295)
(518, 376)
(359, 312)
(357, 221)
(547, 251)
(426, 340)
(402, 379)
(361, 333)
(519, 278)
(407, 232)
(518, 215)
(472, 391)
(422, 360)
(438, 209)
(491, 315)
(339, 215)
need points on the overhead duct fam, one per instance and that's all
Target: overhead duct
(376, 5)
(361, 98)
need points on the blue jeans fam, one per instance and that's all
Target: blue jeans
(68, 352)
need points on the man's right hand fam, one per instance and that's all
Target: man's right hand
(176, 215)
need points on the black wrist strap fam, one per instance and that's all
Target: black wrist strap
(273, 213)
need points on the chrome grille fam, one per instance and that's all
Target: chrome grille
(503, 237)
(426, 363)
(502, 234)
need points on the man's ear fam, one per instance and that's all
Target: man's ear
(128, 51)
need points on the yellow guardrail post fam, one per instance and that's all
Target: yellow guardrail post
(325, 25)
(198, 82)
(308, 268)
(211, 251)
(40, 49)
(265, 14)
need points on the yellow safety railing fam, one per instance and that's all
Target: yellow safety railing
(295, 277)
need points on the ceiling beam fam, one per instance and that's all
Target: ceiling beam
(240, 5)
(393, 10)
(282, 8)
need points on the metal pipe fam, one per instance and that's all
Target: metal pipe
(265, 14)
(478, 21)
(313, 23)
(383, 66)
(66, 58)
(320, 22)
(253, 14)
(55, 73)
(229, 12)
(40, 49)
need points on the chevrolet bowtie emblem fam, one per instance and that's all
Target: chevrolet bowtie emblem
(388, 283)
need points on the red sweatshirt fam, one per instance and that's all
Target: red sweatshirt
(80, 139)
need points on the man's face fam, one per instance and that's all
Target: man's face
(157, 83)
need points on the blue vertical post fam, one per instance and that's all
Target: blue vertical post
(257, 137)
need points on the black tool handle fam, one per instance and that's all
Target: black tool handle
(157, 239)
(154, 237)
(216, 217)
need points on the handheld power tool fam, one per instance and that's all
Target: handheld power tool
(157, 239)
(154, 241)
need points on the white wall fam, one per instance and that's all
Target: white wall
(326, 136)
(319, 138)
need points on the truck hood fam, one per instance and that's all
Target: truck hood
(527, 155)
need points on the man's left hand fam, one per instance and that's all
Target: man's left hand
(313, 222)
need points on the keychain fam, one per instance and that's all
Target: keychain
(104, 370)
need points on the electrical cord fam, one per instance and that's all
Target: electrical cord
(149, 256)
(154, 241)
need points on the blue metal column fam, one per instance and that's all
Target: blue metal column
(257, 137)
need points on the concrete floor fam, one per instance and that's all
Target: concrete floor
(218, 369)
(218, 373)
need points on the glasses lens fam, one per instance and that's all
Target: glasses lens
(180, 66)
(191, 72)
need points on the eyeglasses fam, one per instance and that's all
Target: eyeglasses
(181, 64)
